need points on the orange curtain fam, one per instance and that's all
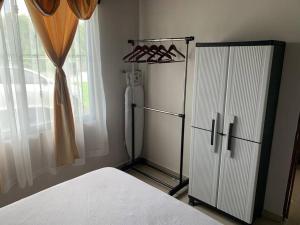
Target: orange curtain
(57, 33)
(1, 3)
(47, 7)
(83, 9)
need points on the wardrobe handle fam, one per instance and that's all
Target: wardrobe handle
(229, 132)
(213, 123)
(214, 130)
(229, 137)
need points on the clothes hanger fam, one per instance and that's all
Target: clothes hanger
(156, 52)
(144, 49)
(151, 50)
(171, 48)
(166, 52)
(155, 49)
(135, 50)
(161, 51)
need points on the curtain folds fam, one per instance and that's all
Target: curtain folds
(27, 79)
(57, 33)
(83, 9)
(64, 130)
(46, 7)
(16, 110)
(97, 141)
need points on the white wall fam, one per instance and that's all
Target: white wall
(213, 21)
(119, 22)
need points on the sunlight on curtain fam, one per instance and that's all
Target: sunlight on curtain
(57, 33)
(26, 102)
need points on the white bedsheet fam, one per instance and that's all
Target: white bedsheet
(106, 196)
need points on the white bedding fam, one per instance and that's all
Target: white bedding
(106, 196)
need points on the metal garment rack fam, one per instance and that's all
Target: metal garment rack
(181, 181)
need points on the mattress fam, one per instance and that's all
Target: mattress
(107, 196)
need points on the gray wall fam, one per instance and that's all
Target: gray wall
(119, 22)
(215, 20)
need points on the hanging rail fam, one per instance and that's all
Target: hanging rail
(187, 39)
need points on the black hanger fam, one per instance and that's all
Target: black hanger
(151, 50)
(135, 50)
(155, 49)
(171, 48)
(167, 53)
(162, 51)
(144, 49)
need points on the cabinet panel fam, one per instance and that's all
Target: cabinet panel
(209, 86)
(247, 88)
(238, 177)
(204, 167)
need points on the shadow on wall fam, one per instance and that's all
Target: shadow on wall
(285, 128)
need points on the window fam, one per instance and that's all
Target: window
(27, 146)
(32, 73)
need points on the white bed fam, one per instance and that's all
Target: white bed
(107, 196)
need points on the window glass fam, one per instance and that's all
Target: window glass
(33, 78)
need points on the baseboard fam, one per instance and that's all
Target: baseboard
(272, 216)
(126, 165)
(163, 168)
(160, 167)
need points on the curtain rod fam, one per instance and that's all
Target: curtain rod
(187, 39)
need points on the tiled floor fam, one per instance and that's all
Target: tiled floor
(295, 208)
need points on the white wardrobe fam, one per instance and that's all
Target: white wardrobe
(235, 96)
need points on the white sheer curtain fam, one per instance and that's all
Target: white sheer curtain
(26, 90)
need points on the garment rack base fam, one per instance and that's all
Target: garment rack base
(173, 189)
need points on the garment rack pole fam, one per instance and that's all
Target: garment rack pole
(182, 182)
(133, 133)
(164, 112)
(184, 105)
(132, 115)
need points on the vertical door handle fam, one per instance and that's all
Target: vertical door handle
(213, 123)
(229, 133)
(229, 137)
(214, 130)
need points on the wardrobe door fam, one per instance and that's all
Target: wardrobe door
(209, 87)
(247, 89)
(238, 177)
(204, 167)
